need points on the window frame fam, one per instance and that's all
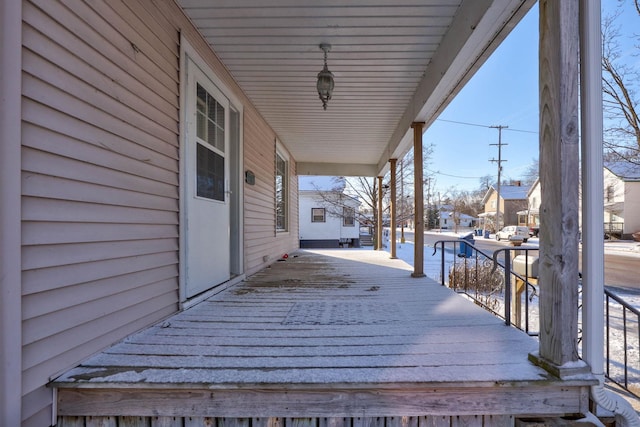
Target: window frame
(322, 217)
(348, 213)
(281, 220)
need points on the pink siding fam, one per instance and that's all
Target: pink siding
(100, 180)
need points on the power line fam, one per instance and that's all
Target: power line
(457, 176)
(485, 126)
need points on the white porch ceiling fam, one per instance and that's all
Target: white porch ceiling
(394, 62)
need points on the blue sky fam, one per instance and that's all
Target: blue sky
(503, 92)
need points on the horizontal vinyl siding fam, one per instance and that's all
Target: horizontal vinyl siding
(100, 182)
(100, 179)
(260, 238)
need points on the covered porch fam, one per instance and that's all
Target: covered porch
(327, 337)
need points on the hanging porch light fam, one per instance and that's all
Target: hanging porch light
(325, 79)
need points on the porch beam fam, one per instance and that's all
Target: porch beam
(392, 209)
(418, 254)
(379, 227)
(559, 179)
(336, 169)
(10, 212)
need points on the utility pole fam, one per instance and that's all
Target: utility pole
(499, 162)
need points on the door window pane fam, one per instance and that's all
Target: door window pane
(209, 119)
(210, 174)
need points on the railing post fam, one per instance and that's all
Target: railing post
(442, 263)
(507, 288)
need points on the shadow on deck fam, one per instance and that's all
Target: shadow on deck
(330, 337)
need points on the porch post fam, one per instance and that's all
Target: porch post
(559, 147)
(392, 209)
(379, 227)
(10, 213)
(418, 254)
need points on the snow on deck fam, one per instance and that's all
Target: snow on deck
(322, 316)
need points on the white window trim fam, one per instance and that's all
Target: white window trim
(282, 152)
(324, 215)
(189, 54)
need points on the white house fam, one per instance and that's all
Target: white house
(622, 197)
(452, 220)
(327, 216)
(621, 200)
(530, 217)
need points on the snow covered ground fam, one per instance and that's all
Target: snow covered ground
(618, 341)
(405, 252)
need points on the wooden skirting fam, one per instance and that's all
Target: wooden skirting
(381, 402)
(423, 421)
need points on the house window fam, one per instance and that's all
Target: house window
(210, 173)
(281, 193)
(493, 204)
(317, 215)
(348, 217)
(610, 193)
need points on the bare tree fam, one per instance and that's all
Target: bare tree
(366, 189)
(621, 99)
(531, 173)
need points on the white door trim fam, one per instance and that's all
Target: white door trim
(188, 54)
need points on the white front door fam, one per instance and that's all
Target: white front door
(206, 185)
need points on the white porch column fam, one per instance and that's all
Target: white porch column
(418, 254)
(592, 188)
(559, 179)
(10, 239)
(593, 212)
(392, 209)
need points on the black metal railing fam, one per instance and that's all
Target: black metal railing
(521, 281)
(622, 343)
(461, 272)
(490, 281)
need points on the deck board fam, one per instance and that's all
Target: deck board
(327, 321)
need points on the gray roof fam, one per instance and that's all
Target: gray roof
(508, 192)
(626, 171)
(321, 183)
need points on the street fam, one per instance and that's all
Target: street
(620, 270)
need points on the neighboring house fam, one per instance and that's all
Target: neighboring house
(530, 217)
(513, 198)
(328, 216)
(449, 220)
(621, 198)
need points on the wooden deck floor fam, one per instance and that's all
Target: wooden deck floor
(339, 333)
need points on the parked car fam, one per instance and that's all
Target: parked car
(513, 230)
